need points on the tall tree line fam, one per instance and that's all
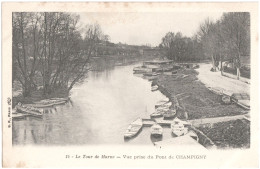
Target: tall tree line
(226, 39)
(49, 46)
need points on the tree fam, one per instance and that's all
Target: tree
(25, 48)
(209, 38)
(50, 45)
(236, 35)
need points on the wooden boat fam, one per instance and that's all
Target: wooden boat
(51, 101)
(19, 115)
(226, 99)
(241, 99)
(244, 104)
(193, 135)
(156, 114)
(159, 103)
(142, 69)
(163, 109)
(156, 130)
(163, 104)
(154, 88)
(60, 99)
(168, 69)
(133, 128)
(148, 122)
(196, 67)
(29, 110)
(165, 100)
(151, 74)
(216, 90)
(48, 103)
(149, 78)
(177, 128)
(169, 114)
(235, 97)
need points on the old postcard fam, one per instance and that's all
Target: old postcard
(130, 84)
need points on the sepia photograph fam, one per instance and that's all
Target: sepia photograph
(159, 80)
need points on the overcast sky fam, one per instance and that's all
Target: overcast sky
(143, 28)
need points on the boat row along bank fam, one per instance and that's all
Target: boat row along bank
(192, 101)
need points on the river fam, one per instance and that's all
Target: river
(100, 111)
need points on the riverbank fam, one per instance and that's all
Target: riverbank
(97, 64)
(36, 95)
(199, 102)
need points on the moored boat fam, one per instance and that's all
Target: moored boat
(163, 109)
(165, 100)
(177, 127)
(156, 130)
(133, 128)
(165, 104)
(28, 110)
(19, 115)
(142, 69)
(154, 88)
(48, 103)
(241, 99)
(156, 114)
(60, 99)
(193, 135)
(169, 114)
(244, 104)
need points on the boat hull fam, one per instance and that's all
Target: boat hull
(155, 115)
(156, 130)
(134, 128)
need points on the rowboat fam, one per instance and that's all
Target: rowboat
(28, 110)
(163, 101)
(216, 90)
(241, 99)
(150, 78)
(60, 99)
(169, 114)
(156, 114)
(48, 103)
(148, 122)
(133, 128)
(244, 104)
(151, 74)
(235, 97)
(193, 135)
(156, 130)
(154, 88)
(226, 99)
(163, 109)
(19, 115)
(196, 66)
(177, 128)
(165, 104)
(142, 69)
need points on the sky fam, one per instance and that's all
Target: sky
(146, 28)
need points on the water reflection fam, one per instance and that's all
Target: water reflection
(100, 110)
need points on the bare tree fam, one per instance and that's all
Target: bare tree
(26, 44)
(236, 35)
(51, 44)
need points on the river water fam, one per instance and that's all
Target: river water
(100, 111)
